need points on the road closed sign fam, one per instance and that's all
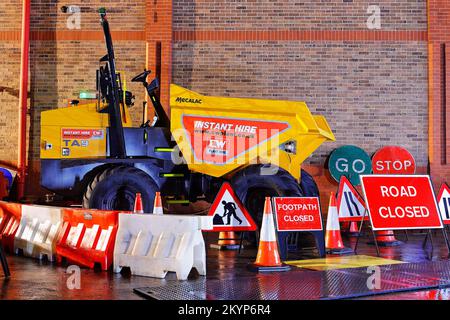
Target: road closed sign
(401, 202)
(393, 160)
(297, 214)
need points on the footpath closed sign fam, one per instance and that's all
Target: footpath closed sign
(401, 202)
(297, 214)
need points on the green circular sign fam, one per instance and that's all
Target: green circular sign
(349, 161)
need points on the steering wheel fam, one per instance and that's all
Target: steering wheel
(141, 77)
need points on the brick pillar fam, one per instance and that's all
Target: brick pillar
(439, 89)
(159, 45)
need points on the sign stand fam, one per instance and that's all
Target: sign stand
(284, 249)
(4, 262)
(429, 236)
(406, 235)
(359, 235)
(446, 241)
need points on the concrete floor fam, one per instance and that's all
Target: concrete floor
(32, 279)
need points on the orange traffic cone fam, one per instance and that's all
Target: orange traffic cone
(352, 230)
(353, 227)
(227, 241)
(138, 208)
(157, 205)
(333, 238)
(386, 239)
(268, 257)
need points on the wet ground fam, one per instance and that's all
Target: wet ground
(32, 279)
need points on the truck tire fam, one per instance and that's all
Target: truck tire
(252, 187)
(115, 189)
(308, 185)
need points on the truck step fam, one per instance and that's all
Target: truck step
(178, 201)
(163, 149)
(172, 175)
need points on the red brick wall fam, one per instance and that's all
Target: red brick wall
(9, 100)
(372, 85)
(62, 63)
(372, 93)
(288, 14)
(159, 34)
(439, 89)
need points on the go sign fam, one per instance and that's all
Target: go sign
(349, 161)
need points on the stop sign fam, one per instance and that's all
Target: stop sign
(393, 160)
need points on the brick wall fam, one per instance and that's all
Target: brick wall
(10, 15)
(371, 85)
(372, 93)
(286, 14)
(63, 62)
(9, 100)
(159, 45)
(439, 90)
(127, 15)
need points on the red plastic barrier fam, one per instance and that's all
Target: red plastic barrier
(10, 215)
(87, 237)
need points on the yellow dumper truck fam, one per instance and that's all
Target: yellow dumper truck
(90, 151)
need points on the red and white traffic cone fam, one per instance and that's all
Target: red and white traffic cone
(227, 241)
(333, 238)
(352, 230)
(157, 205)
(268, 257)
(138, 208)
(386, 239)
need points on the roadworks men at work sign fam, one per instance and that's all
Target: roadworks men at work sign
(401, 202)
(229, 214)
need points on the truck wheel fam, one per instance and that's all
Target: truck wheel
(115, 189)
(251, 186)
(308, 185)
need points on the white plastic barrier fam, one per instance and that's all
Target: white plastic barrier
(38, 230)
(152, 245)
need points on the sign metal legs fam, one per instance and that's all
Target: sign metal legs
(4, 262)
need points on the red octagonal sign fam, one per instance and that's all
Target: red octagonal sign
(393, 160)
